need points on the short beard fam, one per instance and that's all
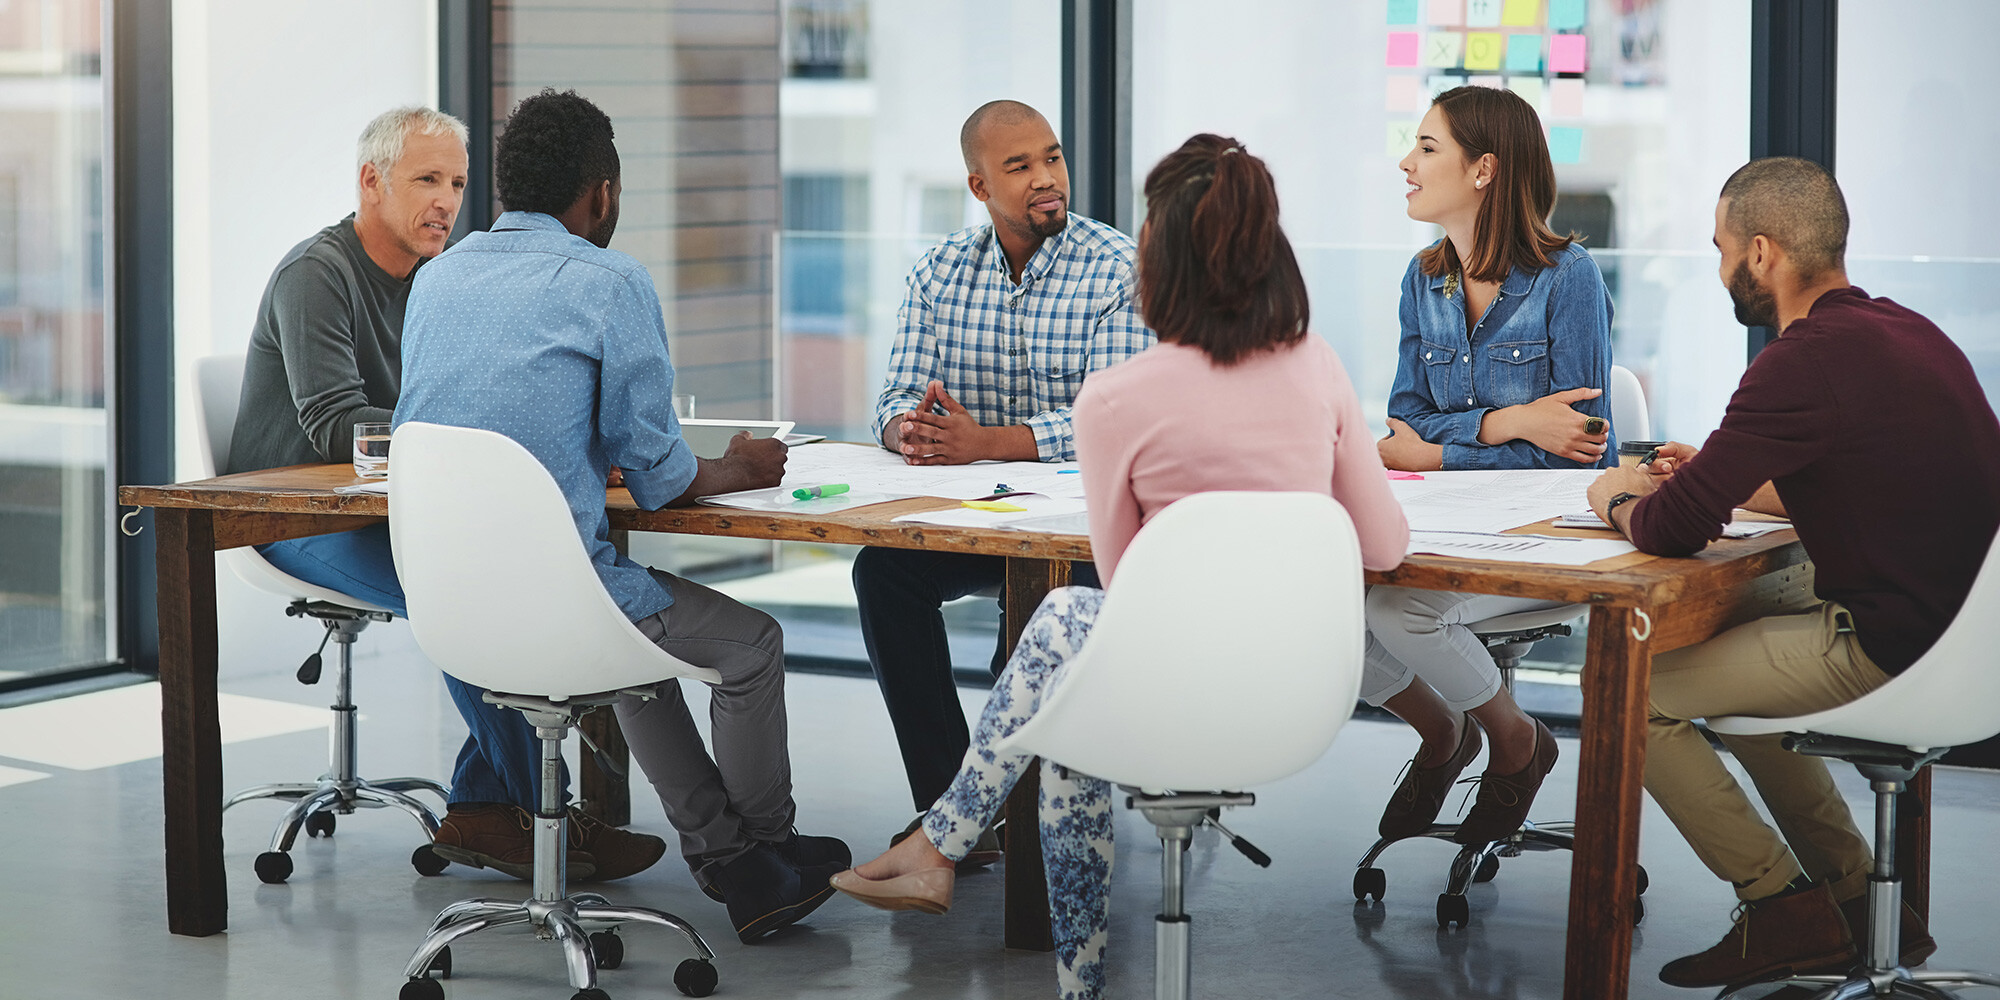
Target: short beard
(1056, 224)
(1755, 305)
(601, 236)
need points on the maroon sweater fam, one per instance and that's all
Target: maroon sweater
(1886, 453)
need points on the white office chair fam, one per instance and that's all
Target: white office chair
(1211, 689)
(218, 390)
(1508, 638)
(1948, 698)
(529, 620)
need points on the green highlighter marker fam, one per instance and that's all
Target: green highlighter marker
(815, 492)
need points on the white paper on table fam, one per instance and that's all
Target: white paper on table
(366, 486)
(1517, 548)
(1488, 501)
(870, 470)
(1033, 508)
(780, 498)
(1734, 529)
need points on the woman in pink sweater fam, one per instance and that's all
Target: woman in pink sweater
(1237, 395)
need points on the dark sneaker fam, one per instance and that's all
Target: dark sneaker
(988, 850)
(618, 852)
(798, 850)
(1422, 791)
(500, 837)
(765, 892)
(1772, 938)
(1917, 943)
(1504, 799)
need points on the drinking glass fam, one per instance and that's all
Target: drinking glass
(371, 450)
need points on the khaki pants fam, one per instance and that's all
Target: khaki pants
(1780, 666)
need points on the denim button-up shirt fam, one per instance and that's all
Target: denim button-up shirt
(538, 334)
(1546, 331)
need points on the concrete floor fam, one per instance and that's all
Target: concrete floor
(85, 915)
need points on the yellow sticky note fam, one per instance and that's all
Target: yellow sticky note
(1522, 13)
(1485, 49)
(995, 506)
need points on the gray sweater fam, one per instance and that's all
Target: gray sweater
(325, 355)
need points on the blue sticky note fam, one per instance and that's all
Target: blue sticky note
(1402, 11)
(1566, 144)
(1524, 53)
(1565, 15)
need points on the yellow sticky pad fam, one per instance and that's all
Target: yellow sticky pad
(994, 506)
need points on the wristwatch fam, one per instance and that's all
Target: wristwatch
(1615, 500)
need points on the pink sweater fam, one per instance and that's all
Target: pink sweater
(1169, 422)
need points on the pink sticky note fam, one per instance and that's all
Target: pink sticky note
(1447, 13)
(1566, 53)
(1406, 94)
(1566, 98)
(1403, 48)
(1398, 474)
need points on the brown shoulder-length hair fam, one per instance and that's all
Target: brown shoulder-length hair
(1215, 271)
(1512, 229)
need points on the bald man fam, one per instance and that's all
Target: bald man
(1866, 425)
(998, 327)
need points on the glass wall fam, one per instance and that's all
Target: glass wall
(54, 598)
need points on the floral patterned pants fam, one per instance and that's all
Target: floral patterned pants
(1075, 808)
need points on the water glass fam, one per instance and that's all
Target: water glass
(371, 450)
(683, 406)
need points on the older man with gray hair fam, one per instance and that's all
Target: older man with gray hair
(326, 354)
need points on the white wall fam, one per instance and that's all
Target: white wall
(269, 98)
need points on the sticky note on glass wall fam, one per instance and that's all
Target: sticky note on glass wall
(1402, 48)
(1566, 98)
(1564, 15)
(1495, 81)
(1402, 11)
(1406, 94)
(1522, 13)
(1566, 53)
(1566, 144)
(1484, 49)
(1482, 13)
(1524, 53)
(1530, 89)
(1402, 139)
(1447, 13)
(1439, 84)
(1442, 49)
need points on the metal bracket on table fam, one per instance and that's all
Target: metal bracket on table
(124, 522)
(1648, 619)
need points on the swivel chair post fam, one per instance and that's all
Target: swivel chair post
(344, 764)
(1175, 817)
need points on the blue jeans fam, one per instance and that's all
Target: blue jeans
(501, 759)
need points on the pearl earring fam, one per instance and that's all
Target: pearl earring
(1478, 184)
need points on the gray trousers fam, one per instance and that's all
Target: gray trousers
(724, 804)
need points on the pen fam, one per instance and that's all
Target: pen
(815, 492)
(999, 488)
(1648, 460)
(1068, 472)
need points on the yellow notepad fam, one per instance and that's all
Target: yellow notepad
(994, 505)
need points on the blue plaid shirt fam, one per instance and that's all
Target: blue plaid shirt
(537, 334)
(1015, 354)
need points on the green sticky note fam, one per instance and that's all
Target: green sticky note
(1524, 53)
(1484, 50)
(1402, 139)
(1530, 89)
(1566, 144)
(1566, 15)
(1402, 11)
(1442, 49)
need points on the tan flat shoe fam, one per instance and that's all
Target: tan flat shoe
(928, 890)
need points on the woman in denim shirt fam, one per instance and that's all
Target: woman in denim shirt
(1505, 352)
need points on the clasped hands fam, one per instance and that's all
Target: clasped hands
(1550, 423)
(925, 437)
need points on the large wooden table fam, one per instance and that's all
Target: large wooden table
(1640, 606)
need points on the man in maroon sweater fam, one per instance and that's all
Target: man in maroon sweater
(1866, 426)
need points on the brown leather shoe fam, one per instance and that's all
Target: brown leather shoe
(1772, 938)
(1917, 943)
(618, 852)
(1504, 799)
(500, 837)
(1422, 791)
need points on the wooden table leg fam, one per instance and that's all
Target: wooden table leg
(606, 796)
(191, 738)
(1027, 919)
(1604, 876)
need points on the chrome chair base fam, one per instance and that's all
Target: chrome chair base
(552, 912)
(1475, 863)
(1862, 984)
(1175, 816)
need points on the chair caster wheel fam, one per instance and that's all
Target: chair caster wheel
(421, 989)
(1453, 910)
(319, 824)
(1643, 880)
(440, 963)
(1488, 867)
(1638, 911)
(273, 867)
(608, 949)
(695, 977)
(427, 862)
(1370, 882)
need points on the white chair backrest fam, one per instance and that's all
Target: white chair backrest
(1629, 417)
(1227, 653)
(501, 592)
(1949, 697)
(218, 391)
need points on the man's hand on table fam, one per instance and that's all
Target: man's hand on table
(1637, 480)
(924, 437)
(751, 463)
